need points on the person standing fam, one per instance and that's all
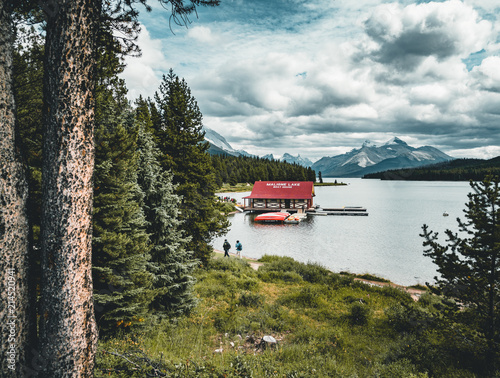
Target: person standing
(226, 247)
(239, 247)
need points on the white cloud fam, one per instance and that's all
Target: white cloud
(488, 74)
(143, 74)
(334, 73)
(201, 34)
(486, 152)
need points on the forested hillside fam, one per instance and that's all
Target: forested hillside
(231, 169)
(154, 210)
(454, 170)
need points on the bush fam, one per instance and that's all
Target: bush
(399, 369)
(408, 318)
(248, 299)
(310, 272)
(274, 277)
(237, 266)
(307, 296)
(359, 313)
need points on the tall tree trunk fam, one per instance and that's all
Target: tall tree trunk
(68, 334)
(14, 302)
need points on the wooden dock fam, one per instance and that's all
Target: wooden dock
(346, 211)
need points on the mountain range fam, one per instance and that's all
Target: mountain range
(394, 154)
(219, 145)
(370, 158)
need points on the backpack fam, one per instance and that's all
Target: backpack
(227, 245)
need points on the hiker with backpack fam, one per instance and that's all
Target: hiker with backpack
(226, 247)
(239, 247)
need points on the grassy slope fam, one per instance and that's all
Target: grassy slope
(326, 325)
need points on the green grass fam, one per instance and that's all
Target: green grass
(326, 324)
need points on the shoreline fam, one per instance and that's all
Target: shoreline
(414, 293)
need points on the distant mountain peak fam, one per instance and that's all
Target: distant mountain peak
(394, 154)
(395, 140)
(296, 160)
(368, 143)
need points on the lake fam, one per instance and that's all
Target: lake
(385, 243)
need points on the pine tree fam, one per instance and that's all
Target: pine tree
(178, 130)
(469, 264)
(171, 264)
(123, 286)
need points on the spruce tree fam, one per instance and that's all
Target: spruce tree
(123, 286)
(178, 130)
(171, 264)
(469, 265)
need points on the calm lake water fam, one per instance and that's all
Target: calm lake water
(385, 243)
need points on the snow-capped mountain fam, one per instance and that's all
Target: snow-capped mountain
(393, 154)
(219, 145)
(305, 162)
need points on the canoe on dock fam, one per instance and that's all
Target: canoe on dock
(280, 217)
(275, 217)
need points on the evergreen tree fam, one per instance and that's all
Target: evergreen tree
(123, 286)
(178, 129)
(469, 264)
(171, 264)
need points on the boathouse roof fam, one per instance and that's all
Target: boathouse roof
(282, 190)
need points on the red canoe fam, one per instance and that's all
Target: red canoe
(272, 217)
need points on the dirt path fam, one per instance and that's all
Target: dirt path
(415, 293)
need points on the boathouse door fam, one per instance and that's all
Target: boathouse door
(287, 204)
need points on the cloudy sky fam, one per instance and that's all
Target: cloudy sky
(319, 77)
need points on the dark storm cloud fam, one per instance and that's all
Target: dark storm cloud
(407, 37)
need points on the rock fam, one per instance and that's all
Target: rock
(269, 339)
(218, 350)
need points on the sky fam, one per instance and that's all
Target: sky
(319, 77)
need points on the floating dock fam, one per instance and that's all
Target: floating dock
(346, 210)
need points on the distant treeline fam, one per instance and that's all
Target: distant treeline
(453, 170)
(232, 170)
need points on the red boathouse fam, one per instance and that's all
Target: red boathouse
(280, 196)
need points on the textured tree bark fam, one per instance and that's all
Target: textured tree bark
(68, 335)
(14, 302)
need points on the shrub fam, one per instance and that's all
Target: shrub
(399, 369)
(359, 313)
(273, 277)
(307, 296)
(230, 264)
(310, 272)
(408, 318)
(248, 299)
(398, 294)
